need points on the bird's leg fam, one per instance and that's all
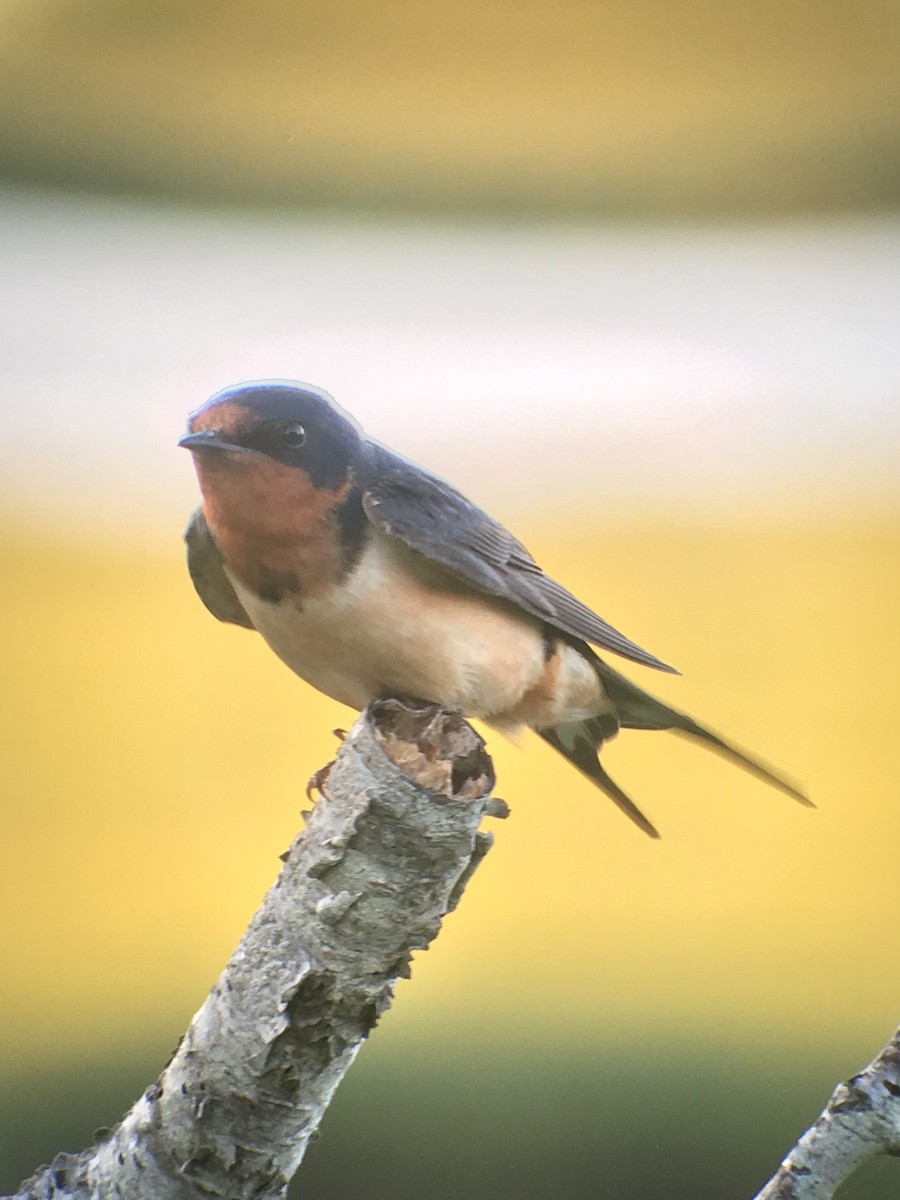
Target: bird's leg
(318, 779)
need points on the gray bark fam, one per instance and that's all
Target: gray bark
(385, 854)
(861, 1119)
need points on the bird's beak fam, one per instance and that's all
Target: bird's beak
(209, 439)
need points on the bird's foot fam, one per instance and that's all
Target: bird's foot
(318, 779)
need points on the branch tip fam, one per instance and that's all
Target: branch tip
(437, 750)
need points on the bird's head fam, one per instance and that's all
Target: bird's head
(275, 460)
(294, 425)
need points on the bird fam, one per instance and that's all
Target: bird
(369, 576)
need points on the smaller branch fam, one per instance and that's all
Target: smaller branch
(385, 855)
(861, 1119)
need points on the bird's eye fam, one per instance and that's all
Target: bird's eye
(293, 435)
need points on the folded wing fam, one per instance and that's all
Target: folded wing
(438, 522)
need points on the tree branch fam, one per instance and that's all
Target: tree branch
(385, 854)
(861, 1119)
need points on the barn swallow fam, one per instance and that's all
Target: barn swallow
(369, 576)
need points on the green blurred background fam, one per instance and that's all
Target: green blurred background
(630, 276)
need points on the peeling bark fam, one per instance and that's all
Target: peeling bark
(384, 856)
(861, 1119)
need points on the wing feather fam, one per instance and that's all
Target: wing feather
(438, 522)
(208, 575)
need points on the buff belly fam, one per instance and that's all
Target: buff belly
(389, 629)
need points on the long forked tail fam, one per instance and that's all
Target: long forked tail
(580, 741)
(637, 709)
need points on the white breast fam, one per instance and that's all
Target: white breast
(385, 629)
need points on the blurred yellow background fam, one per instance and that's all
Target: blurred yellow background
(627, 275)
(155, 764)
